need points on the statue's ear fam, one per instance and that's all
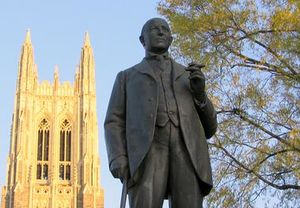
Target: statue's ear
(171, 39)
(142, 40)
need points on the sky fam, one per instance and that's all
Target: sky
(57, 32)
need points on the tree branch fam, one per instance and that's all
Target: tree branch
(261, 64)
(270, 51)
(259, 67)
(244, 117)
(247, 35)
(272, 155)
(250, 37)
(280, 187)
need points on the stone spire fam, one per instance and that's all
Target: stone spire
(56, 73)
(56, 78)
(88, 114)
(87, 41)
(26, 66)
(76, 78)
(87, 68)
(27, 38)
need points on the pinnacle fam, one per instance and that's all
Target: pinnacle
(77, 69)
(56, 75)
(56, 70)
(87, 41)
(27, 38)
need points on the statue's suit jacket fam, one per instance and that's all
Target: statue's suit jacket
(131, 117)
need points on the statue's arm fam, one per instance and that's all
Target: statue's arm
(204, 106)
(208, 116)
(115, 126)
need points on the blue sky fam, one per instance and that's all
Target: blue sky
(57, 31)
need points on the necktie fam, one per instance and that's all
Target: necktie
(162, 63)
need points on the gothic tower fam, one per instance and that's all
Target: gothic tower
(53, 159)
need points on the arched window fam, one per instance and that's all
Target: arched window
(43, 150)
(65, 151)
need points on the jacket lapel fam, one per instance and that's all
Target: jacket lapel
(178, 70)
(145, 68)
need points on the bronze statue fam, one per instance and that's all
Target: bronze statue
(156, 126)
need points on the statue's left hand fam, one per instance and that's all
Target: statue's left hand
(197, 81)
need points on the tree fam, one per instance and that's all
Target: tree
(251, 50)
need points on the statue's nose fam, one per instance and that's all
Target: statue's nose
(160, 31)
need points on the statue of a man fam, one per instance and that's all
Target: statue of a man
(157, 123)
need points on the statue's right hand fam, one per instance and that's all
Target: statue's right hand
(119, 168)
(121, 173)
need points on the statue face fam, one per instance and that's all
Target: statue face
(156, 36)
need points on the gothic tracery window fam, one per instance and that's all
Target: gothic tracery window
(65, 151)
(43, 150)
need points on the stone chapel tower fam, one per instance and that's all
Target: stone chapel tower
(53, 159)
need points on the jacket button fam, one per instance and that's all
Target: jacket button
(150, 99)
(151, 115)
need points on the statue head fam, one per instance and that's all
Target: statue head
(156, 36)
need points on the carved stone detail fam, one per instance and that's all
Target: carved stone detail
(52, 107)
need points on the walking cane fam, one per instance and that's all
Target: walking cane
(124, 194)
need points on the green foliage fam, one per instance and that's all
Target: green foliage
(251, 50)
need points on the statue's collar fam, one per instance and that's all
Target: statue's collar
(151, 55)
(144, 67)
